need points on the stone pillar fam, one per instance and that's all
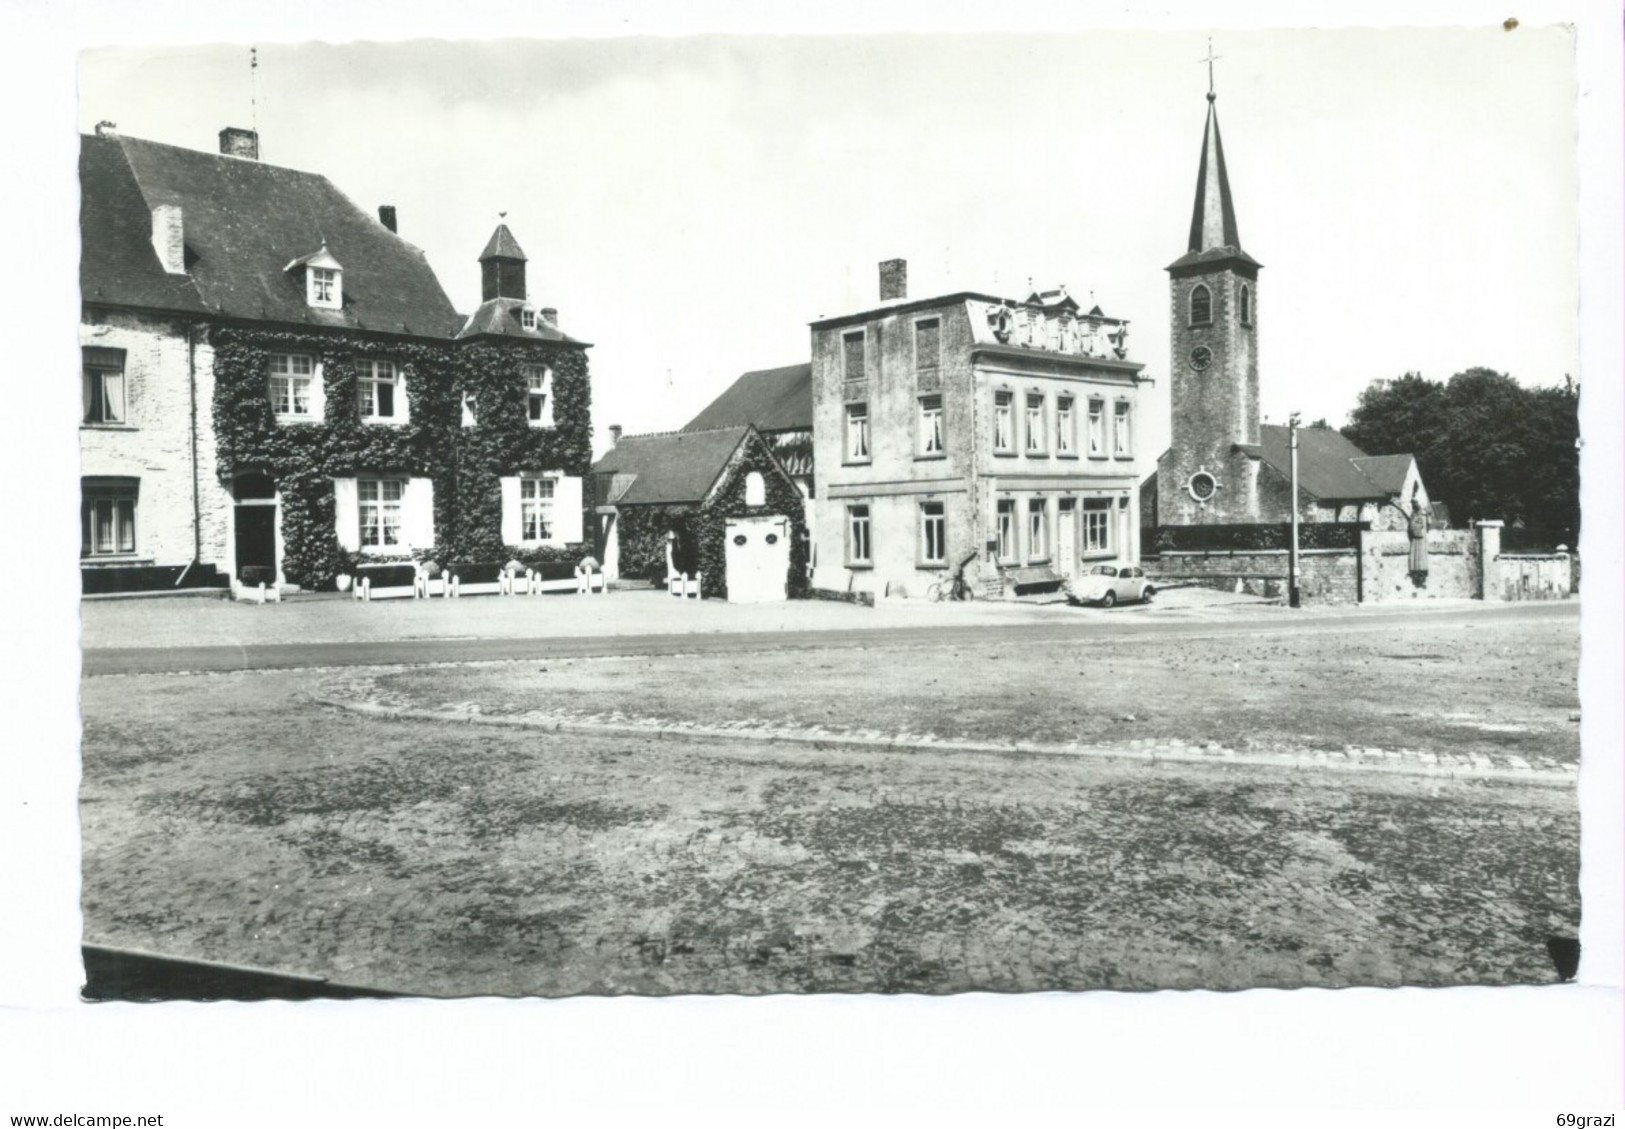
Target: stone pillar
(1489, 551)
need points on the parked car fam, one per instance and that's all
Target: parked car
(1110, 584)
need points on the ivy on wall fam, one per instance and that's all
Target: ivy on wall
(702, 528)
(464, 463)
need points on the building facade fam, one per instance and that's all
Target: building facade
(970, 430)
(276, 386)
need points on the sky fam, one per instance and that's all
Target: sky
(690, 204)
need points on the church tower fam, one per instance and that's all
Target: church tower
(1205, 477)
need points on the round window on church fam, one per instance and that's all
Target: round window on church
(1202, 486)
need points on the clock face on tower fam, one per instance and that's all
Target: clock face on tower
(1201, 357)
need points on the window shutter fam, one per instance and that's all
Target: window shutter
(567, 509)
(417, 513)
(403, 401)
(512, 528)
(347, 513)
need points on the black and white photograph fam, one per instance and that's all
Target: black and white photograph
(889, 514)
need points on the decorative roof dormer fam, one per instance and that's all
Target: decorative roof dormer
(502, 267)
(324, 279)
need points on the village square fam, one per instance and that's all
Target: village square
(962, 649)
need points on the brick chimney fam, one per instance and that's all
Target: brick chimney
(893, 279)
(550, 314)
(614, 435)
(106, 129)
(236, 142)
(169, 237)
(386, 216)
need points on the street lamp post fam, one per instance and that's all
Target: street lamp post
(1292, 551)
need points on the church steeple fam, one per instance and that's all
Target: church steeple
(1213, 221)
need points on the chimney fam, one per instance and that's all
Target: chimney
(386, 216)
(106, 129)
(614, 435)
(550, 315)
(893, 279)
(236, 142)
(169, 237)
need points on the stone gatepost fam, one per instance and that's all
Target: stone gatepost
(1489, 552)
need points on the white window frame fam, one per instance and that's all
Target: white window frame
(538, 387)
(1122, 429)
(527, 317)
(367, 385)
(1097, 526)
(1097, 427)
(933, 540)
(537, 508)
(1038, 548)
(932, 439)
(107, 401)
(302, 388)
(119, 505)
(859, 533)
(324, 287)
(858, 449)
(470, 405)
(1035, 431)
(373, 512)
(1004, 530)
(1004, 422)
(1066, 425)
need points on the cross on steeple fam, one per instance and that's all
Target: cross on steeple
(1209, 61)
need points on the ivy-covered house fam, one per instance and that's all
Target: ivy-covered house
(277, 387)
(717, 502)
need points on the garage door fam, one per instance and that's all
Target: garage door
(758, 558)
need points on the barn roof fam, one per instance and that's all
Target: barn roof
(673, 468)
(774, 399)
(244, 222)
(1329, 465)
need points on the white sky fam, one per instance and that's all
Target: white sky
(690, 204)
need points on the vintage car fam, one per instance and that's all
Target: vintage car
(1110, 584)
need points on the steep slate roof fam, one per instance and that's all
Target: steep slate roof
(502, 245)
(244, 221)
(500, 317)
(671, 469)
(775, 399)
(1329, 466)
(1214, 236)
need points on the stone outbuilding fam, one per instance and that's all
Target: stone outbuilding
(715, 503)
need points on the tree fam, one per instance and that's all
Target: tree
(1486, 446)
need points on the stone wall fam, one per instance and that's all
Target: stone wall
(154, 443)
(1547, 576)
(1325, 576)
(1454, 571)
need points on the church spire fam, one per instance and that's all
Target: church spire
(1213, 221)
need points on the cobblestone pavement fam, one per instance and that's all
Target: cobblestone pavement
(229, 817)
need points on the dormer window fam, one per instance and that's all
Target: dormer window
(527, 318)
(324, 279)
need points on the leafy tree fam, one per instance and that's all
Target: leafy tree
(1486, 446)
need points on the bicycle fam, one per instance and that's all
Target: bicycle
(956, 587)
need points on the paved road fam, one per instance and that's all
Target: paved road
(1127, 624)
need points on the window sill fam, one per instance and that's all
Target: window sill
(1072, 455)
(932, 458)
(383, 421)
(860, 566)
(108, 427)
(282, 419)
(931, 566)
(998, 454)
(1099, 458)
(1036, 454)
(101, 559)
(858, 462)
(1124, 458)
(538, 425)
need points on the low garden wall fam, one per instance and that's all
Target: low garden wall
(1325, 576)
(1545, 576)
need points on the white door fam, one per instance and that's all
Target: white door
(758, 559)
(1066, 539)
